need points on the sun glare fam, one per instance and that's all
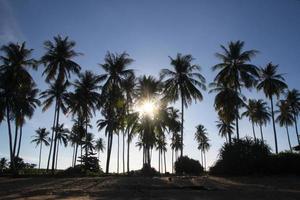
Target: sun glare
(147, 108)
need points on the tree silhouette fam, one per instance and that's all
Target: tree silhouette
(41, 138)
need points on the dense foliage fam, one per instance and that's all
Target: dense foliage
(187, 166)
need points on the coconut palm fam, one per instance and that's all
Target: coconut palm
(161, 146)
(250, 112)
(99, 146)
(285, 118)
(235, 70)
(76, 136)
(86, 88)
(225, 128)
(175, 146)
(58, 59)
(183, 81)
(272, 84)
(15, 62)
(57, 93)
(293, 99)
(262, 116)
(62, 135)
(204, 146)
(200, 137)
(41, 138)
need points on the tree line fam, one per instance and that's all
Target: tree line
(117, 92)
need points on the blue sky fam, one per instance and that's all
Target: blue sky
(150, 31)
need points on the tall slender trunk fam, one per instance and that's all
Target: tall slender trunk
(261, 133)
(296, 127)
(288, 136)
(237, 114)
(110, 138)
(99, 156)
(201, 155)
(81, 153)
(159, 161)
(204, 160)
(128, 145)
(56, 155)
(16, 137)
(165, 162)
(75, 157)
(12, 159)
(55, 137)
(229, 138)
(20, 139)
(274, 128)
(172, 160)
(182, 115)
(118, 154)
(40, 155)
(86, 134)
(52, 136)
(253, 130)
(123, 152)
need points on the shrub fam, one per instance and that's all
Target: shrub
(147, 170)
(188, 166)
(285, 163)
(242, 157)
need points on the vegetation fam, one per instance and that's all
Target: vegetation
(143, 108)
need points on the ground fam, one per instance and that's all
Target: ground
(188, 188)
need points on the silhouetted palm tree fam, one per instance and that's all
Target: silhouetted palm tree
(285, 118)
(57, 92)
(62, 135)
(3, 164)
(161, 146)
(272, 84)
(76, 136)
(58, 59)
(183, 81)
(99, 146)
(86, 88)
(293, 99)
(16, 59)
(225, 129)
(250, 112)
(175, 146)
(41, 138)
(235, 70)
(262, 115)
(200, 137)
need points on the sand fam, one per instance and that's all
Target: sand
(187, 188)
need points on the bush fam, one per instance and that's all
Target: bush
(79, 170)
(188, 166)
(285, 163)
(147, 170)
(242, 157)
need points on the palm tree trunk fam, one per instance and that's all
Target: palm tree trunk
(128, 145)
(20, 139)
(52, 137)
(288, 136)
(56, 155)
(229, 138)
(40, 156)
(55, 138)
(118, 154)
(172, 160)
(110, 136)
(123, 152)
(86, 133)
(16, 137)
(159, 161)
(75, 157)
(165, 162)
(201, 155)
(274, 128)
(182, 115)
(237, 114)
(296, 127)
(204, 160)
(253, 129)
(12, 159)
(261, 133)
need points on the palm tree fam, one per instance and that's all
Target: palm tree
(204, 147)
(161, 146)
(293, 99)
(184, 81)
(86, 88)
(272, 84)
(175, 146)
(76, 136)
(89, 142)
(100, 146)
(58, 59)
(285, 117)
(250, 112)
(57, 92)
(15, 62)
(262, 115)
(235, 70)
(225, 128)
(62, 138)
(200, 137)
(41, 138)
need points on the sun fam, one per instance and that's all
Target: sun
(147, 108)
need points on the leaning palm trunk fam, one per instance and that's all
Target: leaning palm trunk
(109, 145)
(253, 130)
(274, 128)
(261, 133)
(75, 156)
(16, 137)
(55, 139)
(20, 139)
(296, 127)
(12, 159)
(52, 137)
(288, 136)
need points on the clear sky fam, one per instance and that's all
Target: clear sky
(150, 31)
